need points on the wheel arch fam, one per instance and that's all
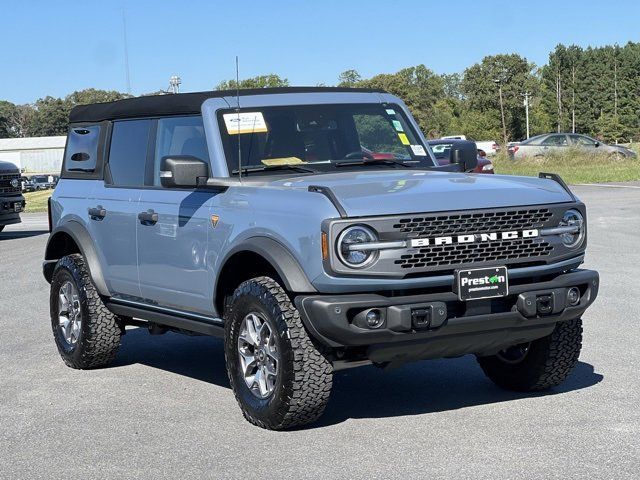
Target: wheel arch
(259, 256)
(72, 237)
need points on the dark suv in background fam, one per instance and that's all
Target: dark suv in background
(11, 199)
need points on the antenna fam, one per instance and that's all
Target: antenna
(238, 111)
(126, 52)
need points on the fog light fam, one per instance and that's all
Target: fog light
(374, 318)
(573, 296)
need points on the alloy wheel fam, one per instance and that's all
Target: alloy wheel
(259, 356)
(69, 314)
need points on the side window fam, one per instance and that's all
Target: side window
(586, 141)
(128, 152)
(555, 140)
(179, 136)
(81, 154)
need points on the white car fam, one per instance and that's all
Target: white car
(489, 147)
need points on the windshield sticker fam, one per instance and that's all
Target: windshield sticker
(245, 122)
(397, 125)
(390, 111)
(282, 161)
(403, 138)
(418, 150)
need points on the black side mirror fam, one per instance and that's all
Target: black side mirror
(182, 171)
(597, 143)
(464, 154)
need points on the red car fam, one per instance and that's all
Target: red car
(442, 148)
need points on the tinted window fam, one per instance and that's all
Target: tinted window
(179, 136)
(128, 152)
(82, 149)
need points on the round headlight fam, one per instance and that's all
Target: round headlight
(350, 238)
(572, 218)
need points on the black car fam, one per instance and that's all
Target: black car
(11, 199)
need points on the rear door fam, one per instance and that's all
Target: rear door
(172, 248)
(114, 207)
(555, 143)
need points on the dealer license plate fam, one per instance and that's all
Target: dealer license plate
(474, 284)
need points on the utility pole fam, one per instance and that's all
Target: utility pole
(615, 88)
(573, 99)
(504, 125)
(526, 109)
(126, 52)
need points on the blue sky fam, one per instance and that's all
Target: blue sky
(56, 47)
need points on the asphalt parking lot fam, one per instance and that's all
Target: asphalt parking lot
(164, 409)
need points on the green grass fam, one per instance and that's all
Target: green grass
(37, 201)
(573, 166)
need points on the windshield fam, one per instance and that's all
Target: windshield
(320, 137)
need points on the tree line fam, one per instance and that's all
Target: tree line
(595, 91)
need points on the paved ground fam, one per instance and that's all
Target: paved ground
(164, 410)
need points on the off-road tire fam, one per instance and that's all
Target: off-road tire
(100, 332)
(548, 362)
(304, 378)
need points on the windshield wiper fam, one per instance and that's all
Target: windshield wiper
(370, 161)
(264, 168)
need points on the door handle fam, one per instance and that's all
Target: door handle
(97, 213)
(148, 218)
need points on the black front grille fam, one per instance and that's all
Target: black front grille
(5, 183)
(458, 224)
(464, 253)
(458, 254)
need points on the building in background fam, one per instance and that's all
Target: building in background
(34, 154)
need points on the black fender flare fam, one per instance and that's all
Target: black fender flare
(87, 248)
(279, 257)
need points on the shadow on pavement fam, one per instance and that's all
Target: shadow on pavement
(12, 235)
(366, 392)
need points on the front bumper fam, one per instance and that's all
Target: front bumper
(8, 213)
(481, 326)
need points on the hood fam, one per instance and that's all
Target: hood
(419, 191)
(7, 167)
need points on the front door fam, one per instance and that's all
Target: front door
(174, 227)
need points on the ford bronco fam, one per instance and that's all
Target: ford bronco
(313, 230)
(11, 199)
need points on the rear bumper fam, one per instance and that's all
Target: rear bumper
(481, 326)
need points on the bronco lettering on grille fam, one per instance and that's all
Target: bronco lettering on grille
(475, 238)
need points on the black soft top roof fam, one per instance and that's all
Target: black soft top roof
(180, 104)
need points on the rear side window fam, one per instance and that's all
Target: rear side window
(179, 136)
(81, 154)
(128, 152)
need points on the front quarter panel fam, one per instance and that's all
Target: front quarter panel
(291, 217)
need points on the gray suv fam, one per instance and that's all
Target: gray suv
(314, 231)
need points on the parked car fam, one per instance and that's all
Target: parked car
(490, 147)
(442, 151)
(542, 145)
(303, 253)
(11, 199)
(40, 182)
